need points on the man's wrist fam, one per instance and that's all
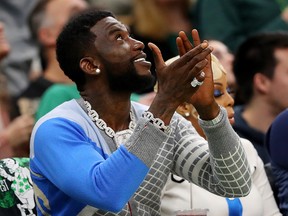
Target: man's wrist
(209, 112)
(157, 122)
(214, 121)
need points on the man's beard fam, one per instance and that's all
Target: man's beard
(129, 81)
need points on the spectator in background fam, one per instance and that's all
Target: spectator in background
(46, 21)
(159, 21)
(260, 68)
(180, 194)
(17, 66)
(232, 21)
(277, 144)
(14, 135)
(54, 96)
(118, 7)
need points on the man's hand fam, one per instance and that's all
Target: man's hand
(203, 99)
(174, 80)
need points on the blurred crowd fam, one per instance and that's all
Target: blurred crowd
(249, 37)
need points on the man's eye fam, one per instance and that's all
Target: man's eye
(119, 37)
(217, 93)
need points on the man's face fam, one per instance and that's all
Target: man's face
(278, 93)
(122, 57)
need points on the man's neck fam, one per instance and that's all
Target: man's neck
(114, 109)
(259, 115)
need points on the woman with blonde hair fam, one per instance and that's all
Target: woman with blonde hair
(179, 194)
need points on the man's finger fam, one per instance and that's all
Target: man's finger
(180, 46)
(157, 55)
(187, 44)
(203, 47)
(196, 37)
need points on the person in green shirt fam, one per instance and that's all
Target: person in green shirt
(233, 21)
(54, 96)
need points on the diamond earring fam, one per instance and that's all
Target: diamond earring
(97, 71)
(186, 114)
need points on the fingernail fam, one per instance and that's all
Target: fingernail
(204, 45)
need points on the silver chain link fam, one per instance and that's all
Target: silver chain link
(156, 121)
(101, 124)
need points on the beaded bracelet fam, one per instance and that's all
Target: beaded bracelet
(156, 122)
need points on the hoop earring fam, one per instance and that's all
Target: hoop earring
(97, 71)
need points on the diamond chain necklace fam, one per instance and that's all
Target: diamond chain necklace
(101, 124)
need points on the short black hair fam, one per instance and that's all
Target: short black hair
(256, 55)
(74, 41)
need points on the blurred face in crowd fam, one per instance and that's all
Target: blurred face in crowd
(277, 87)
(57, 14)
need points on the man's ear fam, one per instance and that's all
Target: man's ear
(261, 83)
(89, 66)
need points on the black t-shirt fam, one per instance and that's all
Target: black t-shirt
(30, 96)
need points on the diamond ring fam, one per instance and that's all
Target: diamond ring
(195, 83)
